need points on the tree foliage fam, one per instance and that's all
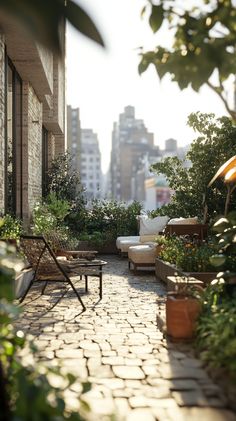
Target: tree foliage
(64, 181)
(216, 144)
(43, 19)
(204, 38)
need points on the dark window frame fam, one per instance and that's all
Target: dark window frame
(17, 142)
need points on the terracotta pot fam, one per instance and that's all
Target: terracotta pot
(181, 315)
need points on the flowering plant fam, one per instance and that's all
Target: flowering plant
(188, 253)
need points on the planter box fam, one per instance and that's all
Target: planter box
(108, 248)
(205, 277)
(165, 269)
(173, 281)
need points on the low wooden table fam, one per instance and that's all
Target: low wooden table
(93, 268)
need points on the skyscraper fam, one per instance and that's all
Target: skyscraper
(74, 136)
(90, 164)
(130, 142)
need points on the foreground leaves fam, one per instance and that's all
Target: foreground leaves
(204, 38)
(44, 19)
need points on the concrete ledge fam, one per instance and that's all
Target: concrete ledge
(22, 281)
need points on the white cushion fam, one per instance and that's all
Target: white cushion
(123, 243)
(145, 253)
(147, 238)
(153, 226)
(183, 221)
(127, 238)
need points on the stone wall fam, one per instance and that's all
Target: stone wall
(2, 120)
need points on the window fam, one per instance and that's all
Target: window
(13, 140)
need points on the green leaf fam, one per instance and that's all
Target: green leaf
(43, 20)
(217, 260)
(143, 65)
(221, 225)
(82, 22)
(156, 17)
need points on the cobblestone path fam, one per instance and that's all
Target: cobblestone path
(116, 345)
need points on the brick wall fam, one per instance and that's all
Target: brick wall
(32, 149)
(51, 148)
(2, 119)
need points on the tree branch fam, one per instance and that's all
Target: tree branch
(231, 112)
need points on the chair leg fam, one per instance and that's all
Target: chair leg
(26, 292)
(86, 283)
(100, 282)
(44, 287)
(78, 296)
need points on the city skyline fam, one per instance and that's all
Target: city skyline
(102, 82)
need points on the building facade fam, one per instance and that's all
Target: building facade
(130, 142)
(32, 119)
(90, 164)
(74, 136)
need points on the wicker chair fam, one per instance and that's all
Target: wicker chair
(47, 268)
(64, 248)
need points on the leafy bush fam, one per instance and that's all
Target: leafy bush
(27, 388)
(216, 330)
(187, 253)
(49, 214)
(105, 220)
(49, 221)
(225, 258)
(65, 182)
(10, 227)
(193, 197)
(171, 248)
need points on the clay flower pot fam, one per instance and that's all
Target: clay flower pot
(181, 315)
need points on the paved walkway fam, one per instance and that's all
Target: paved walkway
(116, 345)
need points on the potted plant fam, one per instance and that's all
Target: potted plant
(183, 307)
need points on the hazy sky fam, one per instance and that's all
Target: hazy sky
(102, 82)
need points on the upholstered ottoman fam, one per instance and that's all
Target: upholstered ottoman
(142, 256)
(123, 243)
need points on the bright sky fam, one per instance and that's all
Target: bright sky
(102, 82)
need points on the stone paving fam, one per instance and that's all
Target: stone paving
(135, 372)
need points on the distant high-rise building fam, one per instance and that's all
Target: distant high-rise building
(130, 142)
(171, 145)
(74, 136)
(90, 164)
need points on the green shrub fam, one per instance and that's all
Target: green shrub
(171, 248)
(49, 221)
(214, 145)
(187, 253)
(10, 227)
(108, 218)
(216, 330)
